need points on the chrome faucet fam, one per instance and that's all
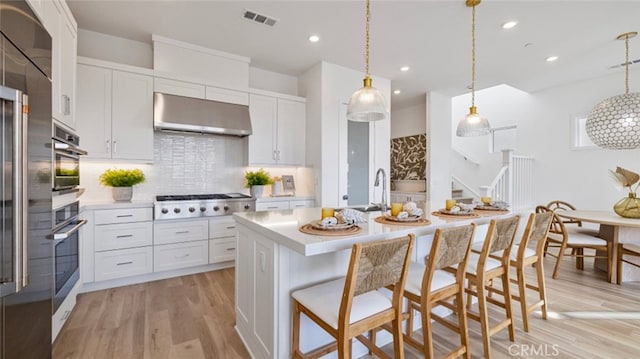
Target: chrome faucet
(383, 203)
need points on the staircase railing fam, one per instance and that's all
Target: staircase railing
(465, 188)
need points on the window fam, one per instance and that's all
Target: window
(579, 138)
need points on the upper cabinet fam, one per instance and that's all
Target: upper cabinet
(59, 22)
(195, 90)
(116, 112)
(278, 127)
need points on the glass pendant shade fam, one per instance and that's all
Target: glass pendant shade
(615, 122)
(367, 104)
(473, 124)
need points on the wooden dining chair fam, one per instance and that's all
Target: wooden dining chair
(529, 252)
(483, 269)
(348, 307)
(430, 286)
(589, 228)
(628, 250)
(559, 237)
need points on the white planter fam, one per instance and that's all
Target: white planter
(122, 194)
(257, 191)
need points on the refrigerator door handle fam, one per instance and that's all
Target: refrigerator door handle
(25, 198)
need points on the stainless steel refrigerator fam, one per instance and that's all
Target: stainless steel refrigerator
(26, 252)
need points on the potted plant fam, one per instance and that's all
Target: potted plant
(122, 182)
(256, 181)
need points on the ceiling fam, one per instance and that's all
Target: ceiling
(432, 37)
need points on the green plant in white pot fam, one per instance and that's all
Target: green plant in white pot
(122, 182)
(256, 181)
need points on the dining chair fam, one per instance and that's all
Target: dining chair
(589, 228)
(350, 306)
(559, 237)
(430, 286)
(483, 269)
(529, 252)
(629, 250)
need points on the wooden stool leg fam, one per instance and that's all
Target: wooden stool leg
(542, 289)
(484, 318)
(580, 258)
(295, 341)
(398, 345)
(427, 334)
(507, 305)
(619, 263)
(522, 292)
(344, 346)
(462, 322)
(556, 269)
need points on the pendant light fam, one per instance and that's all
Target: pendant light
(615, 122)
(367, 104)
(473, 124)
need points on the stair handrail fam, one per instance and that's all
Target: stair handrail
(497, 179)
(465, 156)
(466, 187)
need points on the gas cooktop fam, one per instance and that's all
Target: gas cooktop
(202, 205)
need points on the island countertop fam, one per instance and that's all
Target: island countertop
(283, 227)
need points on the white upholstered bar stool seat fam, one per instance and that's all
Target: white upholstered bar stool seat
(322, 300)
(441, 279)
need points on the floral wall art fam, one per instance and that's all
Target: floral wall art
(408, 157)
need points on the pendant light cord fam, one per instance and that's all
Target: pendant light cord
(626, 65)
(473, 55)
(366, 46)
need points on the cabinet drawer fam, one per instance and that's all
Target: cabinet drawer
(123, 263)
(180, 255)
(272, 206)
(222, 227)
(225, 95)
(301, 204)
(180, 88)
(177, 232)
(125, 235)
(123, 215)
(222, 250)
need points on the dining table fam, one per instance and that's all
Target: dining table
(615, 229)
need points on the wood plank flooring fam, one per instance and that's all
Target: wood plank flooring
(193, 317)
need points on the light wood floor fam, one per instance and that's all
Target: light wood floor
(193, 316)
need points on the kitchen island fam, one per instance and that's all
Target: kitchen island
(274, 258)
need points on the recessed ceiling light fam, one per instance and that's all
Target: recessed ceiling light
(551, 58)
(404, 68)
(509, 24)
(314, 38)
(396, 92)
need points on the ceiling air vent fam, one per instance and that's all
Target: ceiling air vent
(631, 62)
(259, 18)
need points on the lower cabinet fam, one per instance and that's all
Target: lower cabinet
(123, 263)
(279, 204)
(180, 255)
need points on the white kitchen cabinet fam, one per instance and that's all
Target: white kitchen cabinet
(115, 109)
(179, 88)
(278, 127)
(222, 239)
(63, 61)
(226, 95)
(180, 231)
(180, 255)
(271, 206)
(274, 204)
(122, 241)
(305, 203)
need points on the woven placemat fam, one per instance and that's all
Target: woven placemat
(490, 212)
(308, 229)
(419, 222)
(455, 216)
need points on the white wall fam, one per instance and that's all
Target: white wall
(438, 122)
(408, 121)
(273, 81)
(333, 85)
(544, 132)
(115, 49)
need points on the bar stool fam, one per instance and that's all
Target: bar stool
(429, 286)
(529, 252)
(492, 263)
(348, 307)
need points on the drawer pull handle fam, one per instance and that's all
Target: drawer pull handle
(124, 236)
(124, 263)
(182, 256)
(182, 232)
(65, 316)
(273, 207)
(124, 215)
(299, 205)
(231, 249)
(232, 227)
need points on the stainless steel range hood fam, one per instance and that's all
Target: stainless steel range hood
(186, 114)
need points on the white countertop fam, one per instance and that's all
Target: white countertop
(282, 227)
(98, 205)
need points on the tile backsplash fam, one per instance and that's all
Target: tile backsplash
(188, 164)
